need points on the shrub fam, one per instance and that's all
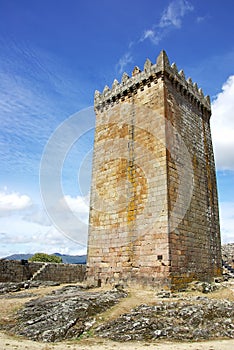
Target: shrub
(42, 257)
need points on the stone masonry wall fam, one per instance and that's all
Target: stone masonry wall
(154, 209)
(63, 273)
(195, 246)
(128, 237)
(14, 271)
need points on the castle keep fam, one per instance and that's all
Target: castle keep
(154, 208)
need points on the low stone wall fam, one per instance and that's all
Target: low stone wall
(15, 271)
(63, 273)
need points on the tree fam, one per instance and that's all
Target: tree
(42, 257)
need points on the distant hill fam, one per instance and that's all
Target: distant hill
(18, 256)
(72, 259)
(67, 259)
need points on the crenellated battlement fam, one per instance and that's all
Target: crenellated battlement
(150, 75)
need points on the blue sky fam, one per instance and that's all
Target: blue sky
(53, 55)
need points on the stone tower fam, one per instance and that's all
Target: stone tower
(154, 209)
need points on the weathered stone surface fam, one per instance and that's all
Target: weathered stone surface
(203, 287)
(63, 314)
(154, 206)
(186, 319)
(142, 78)
(11, 287)
(228, 253)
(14, 271)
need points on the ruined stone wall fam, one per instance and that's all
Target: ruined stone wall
(154, 210)
(14, 271)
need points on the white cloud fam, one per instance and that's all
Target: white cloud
(30, 230)
(11, 202)
(37, 91)
(20, 236)
(38, 216)
(222, 126)
(173, 14)
(201, 19)
(227, 221)
(123, 62)
(69, 215)
(151, 35)
(171, 19)
(78, 204)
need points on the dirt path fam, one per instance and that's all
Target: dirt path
(11, 343)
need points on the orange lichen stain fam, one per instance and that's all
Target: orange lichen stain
(111, 131)
(124, 188)
(194, 161)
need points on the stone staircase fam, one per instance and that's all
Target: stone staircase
(38, 272)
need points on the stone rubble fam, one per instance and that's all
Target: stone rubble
(228, 253)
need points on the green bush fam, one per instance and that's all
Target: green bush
(42, 257)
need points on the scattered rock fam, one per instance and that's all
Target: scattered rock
(203, 287)
(228, 253)
(164, 294)
(11, 287)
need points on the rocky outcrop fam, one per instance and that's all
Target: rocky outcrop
(12, 287)
(193, 318)
(64, 314)
(71, 311)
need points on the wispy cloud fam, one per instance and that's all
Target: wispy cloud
(123, 62)
(173, 14)
(36, 94)
(201, 19)
(170, 19)
(152, 35)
